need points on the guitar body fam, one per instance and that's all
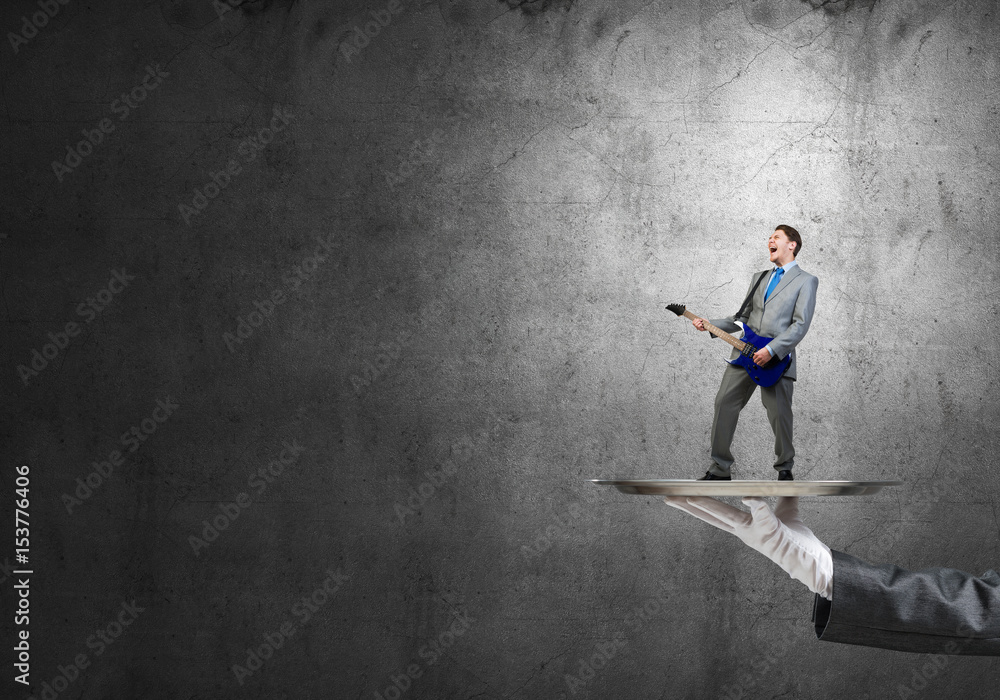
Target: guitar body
(769, 374)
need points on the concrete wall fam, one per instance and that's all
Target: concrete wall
(426, 297)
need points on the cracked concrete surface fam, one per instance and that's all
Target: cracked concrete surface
(511, 193)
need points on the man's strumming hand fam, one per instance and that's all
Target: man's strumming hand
(762, 357)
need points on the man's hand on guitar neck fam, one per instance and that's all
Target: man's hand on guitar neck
(699, 323)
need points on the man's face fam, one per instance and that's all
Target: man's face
(781, 249)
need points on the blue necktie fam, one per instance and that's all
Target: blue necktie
(775, 278)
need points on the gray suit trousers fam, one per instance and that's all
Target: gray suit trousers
(736, 389)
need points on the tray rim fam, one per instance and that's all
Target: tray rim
(744, 487)
(830, 482)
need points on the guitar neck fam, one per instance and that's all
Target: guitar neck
(715, 330)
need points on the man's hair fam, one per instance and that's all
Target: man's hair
(793, 236)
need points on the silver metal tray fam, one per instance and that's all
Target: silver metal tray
(693, 487)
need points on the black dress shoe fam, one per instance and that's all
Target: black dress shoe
(709, 476)
(785, 475)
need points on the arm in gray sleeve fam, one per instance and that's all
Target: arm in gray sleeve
(939, 611)
(802, 315)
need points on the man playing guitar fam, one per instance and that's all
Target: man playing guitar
(781, 308)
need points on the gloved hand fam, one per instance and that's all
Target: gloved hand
(780, 535)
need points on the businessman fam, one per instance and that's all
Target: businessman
(937, 610)
(779, 305)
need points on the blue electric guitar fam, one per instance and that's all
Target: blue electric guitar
(769, 374)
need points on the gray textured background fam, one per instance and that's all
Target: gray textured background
(510, 194)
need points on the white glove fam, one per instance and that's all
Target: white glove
(779, 535)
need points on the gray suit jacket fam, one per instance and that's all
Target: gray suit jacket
(934, 611)
(785, 316)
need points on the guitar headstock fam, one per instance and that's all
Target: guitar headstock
(676, 308)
